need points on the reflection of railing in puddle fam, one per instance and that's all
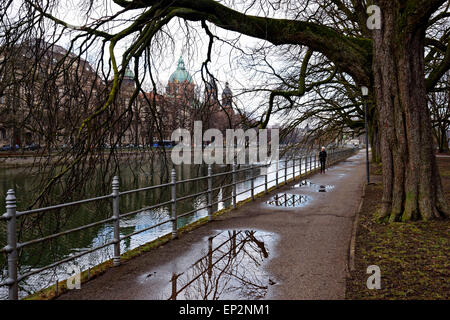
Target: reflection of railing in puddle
(288, 200)
(316, 187)
(231, 270)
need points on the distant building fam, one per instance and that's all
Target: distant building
(47, 108)
(40, 93)
(181, 105)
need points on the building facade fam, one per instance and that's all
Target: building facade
(158, 115)
(43, 89)
(46, 103)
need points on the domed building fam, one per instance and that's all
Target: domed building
(181, 74)
(181, 86)
(180, 106)
(128, 79)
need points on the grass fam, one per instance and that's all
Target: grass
(414, 258)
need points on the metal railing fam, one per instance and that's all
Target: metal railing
(305, 164)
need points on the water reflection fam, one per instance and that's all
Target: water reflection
(288, 200)
(230, 268)
(50, 251)
(314, 186)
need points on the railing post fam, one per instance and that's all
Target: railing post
(234, 185)
(116, 216)
(265, 179)
(310, 162)
(276, 177)
(210, 192)
(252, 183)
(300, 166)
(285, 170)
(174, 204)
(306, 164)
(11, 248)
(293, 168)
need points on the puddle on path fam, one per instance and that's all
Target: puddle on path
(288, 200)
(315, 186)
(229, 266)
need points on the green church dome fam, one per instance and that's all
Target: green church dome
(181, 73)
(128, 73)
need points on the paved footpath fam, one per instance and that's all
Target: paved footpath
(308, 259)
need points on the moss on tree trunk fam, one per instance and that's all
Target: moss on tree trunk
(412, 186)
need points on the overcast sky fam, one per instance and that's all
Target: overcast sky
(226, 64)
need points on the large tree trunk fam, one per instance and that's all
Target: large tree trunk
(374, 137)
(442, 139)
(412, 185)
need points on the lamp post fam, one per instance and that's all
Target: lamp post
(365, 93)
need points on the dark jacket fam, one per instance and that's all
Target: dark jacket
(322, 155)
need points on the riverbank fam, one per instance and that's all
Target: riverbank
(30, 159)
(303, 237)
(414, 258)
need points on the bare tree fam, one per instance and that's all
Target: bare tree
(401, 61)
(439, 103)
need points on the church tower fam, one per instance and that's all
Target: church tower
(211, 92)
(128, 79)
(227, 96)
(181, 86)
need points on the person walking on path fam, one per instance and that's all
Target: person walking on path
(322, 159)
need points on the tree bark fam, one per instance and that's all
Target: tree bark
(375, 139)
(412, 186)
